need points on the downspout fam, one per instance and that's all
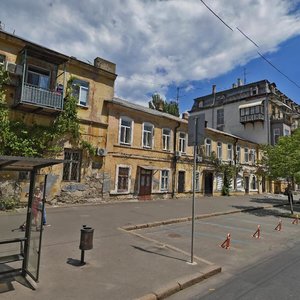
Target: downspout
(267, 117)
(213, 106)
(235, 160)
(174, 161)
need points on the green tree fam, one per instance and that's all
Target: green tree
(158, 103)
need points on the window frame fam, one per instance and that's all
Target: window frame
(238, 153)
(166, 139)
(81, 85)
(208, 147)
(246, 155)
(274, 135)
(220, 117)
(70, 165)
(219, 150)
(231, 151)
(117, 179)
(125, 118)
(41, 72)
(149, 133)
(182, 142)
(164, 180)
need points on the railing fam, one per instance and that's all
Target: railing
(40, 97)
(281, 118)
(252, 118)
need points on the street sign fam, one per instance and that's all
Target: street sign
(196, 126)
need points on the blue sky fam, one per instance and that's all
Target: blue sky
(161, 45)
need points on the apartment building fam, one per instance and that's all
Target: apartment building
(35, 94)
(148, 157)
(256, 111)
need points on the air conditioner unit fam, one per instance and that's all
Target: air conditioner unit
(13, 68)
(177, 153)
(199, 159)
(101, 152)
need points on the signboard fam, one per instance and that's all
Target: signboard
(196, 128)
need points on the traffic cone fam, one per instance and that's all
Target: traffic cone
(256, 234)
(226, 243)
(296, 220)
(278, 227)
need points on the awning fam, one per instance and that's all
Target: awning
(251, 104)
(18, 163)
(149, 168)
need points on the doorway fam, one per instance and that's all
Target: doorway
(181, 181)
(247, 184)
(208, 183)
(145, 182)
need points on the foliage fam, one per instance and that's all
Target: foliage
(20, 139)
(283, 159)
(8, 203)
(158, 103)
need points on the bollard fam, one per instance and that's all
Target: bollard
(86, 240)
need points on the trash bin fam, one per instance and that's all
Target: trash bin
(86, 238)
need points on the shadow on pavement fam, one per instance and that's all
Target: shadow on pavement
(156, 253)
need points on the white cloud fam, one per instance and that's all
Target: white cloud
(155, 43)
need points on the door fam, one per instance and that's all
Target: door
(208, 183)
(181, 181)
(247, 185)
(145, 182)
(263, 182)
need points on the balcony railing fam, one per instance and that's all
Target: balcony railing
(252, 118)
(281, 118)
(40, 97)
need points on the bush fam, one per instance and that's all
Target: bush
(8, 204)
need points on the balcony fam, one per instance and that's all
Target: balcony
(281, 118)
(252, 118)
(32, 96)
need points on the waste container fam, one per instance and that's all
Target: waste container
(86, 238)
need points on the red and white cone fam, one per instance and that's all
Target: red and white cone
(226, 243)
(279, 226)
(256, 234)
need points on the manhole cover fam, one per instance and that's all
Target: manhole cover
(174, 235)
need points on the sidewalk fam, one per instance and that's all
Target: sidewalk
(120, 265)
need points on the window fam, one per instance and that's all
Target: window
(81, 91)
(123, 174)
(166, 136)
(38, 77)
(164, 180)
(220, 119)
(287, 132)
(238, 154)
(252, 156)
(229, 152)
(253, 183)
(219, 150)
(246, 155)
(276, 134)
(207, 147)
(71, 170)
(148, 135)
(182, 142)
(2, 59)
(126, 126)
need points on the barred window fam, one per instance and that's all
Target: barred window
(71, 170)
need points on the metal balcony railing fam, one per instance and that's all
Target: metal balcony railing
(40, 97)
(252, 118)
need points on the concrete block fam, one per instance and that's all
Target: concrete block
(167, 290)
(210, 271)
(190, 280)
(150, 296)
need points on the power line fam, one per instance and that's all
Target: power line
(247, 37)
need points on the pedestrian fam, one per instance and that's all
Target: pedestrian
(36, 204)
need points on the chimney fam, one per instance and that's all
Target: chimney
(185, 115)
(103, 64)
(234, 85)
(214, 89)
(239, 82)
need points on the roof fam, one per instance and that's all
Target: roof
(20, 163)
(144, 109)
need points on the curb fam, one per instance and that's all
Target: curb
(181, 283)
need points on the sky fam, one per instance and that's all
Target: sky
(177, 48)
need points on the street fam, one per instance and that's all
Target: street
(129, 264)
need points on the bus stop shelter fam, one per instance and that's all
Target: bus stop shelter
(28, 240)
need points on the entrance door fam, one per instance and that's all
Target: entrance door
(263, 182)
(247, 185)
(181, 181)
(145, 182)
(208, 183)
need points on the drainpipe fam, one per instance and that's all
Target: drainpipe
(174, 160)
(235, 160)
(213, 106)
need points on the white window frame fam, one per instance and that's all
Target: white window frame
(229, 157)
(246, 155)
(166, 139)
(83, 86)
(164, 180)
(219, 150)
(182, 142)
(117, 179)
(276, 132)
(238, 153)
(252, 156)
(126, 128)
(207, 147)
(41, 73)
(147, 135)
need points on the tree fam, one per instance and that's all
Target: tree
(158, 103)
